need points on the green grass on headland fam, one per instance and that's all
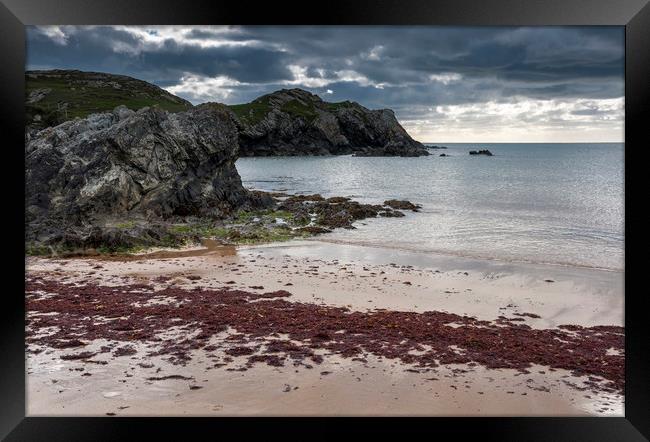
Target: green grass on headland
(253, 112)
(75, 94)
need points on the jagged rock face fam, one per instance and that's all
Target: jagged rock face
(296, 122)
(124, 164)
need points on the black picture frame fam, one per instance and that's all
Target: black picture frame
(15, 14)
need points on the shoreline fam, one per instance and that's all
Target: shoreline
(314, 279)
(441, 253)
(516, 280)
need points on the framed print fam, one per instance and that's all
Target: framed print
(387, 216)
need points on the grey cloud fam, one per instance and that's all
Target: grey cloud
(496, 64)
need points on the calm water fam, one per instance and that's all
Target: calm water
(549, 203)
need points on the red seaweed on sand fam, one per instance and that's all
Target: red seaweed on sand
(122, 314)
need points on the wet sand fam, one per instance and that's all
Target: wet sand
(361, 279)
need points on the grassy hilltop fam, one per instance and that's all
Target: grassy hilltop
(55, 96)
(255, 111)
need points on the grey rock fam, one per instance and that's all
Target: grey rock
(84, 175)
(37, 95)
(481, 152)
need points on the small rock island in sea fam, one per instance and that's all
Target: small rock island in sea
(481, 152)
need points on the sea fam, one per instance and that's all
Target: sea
(547, 203)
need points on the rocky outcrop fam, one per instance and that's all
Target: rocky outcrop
(338, 212)
(402, 205)
(285, 122)
(85, 177)
(296, 122)
(141, 172)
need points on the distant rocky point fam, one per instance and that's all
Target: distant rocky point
(481, 152)
(296, 122)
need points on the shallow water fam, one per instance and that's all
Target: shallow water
(548, 203)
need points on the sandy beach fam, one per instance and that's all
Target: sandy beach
(331, 378)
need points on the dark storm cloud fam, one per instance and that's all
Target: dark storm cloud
(404, 68)
(118, 51)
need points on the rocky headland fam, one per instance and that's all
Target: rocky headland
(296, 122)
(285, 122)
(123, 180)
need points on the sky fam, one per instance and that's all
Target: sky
(445, 84)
